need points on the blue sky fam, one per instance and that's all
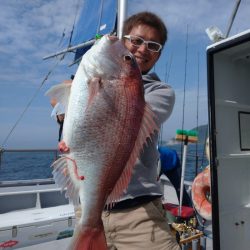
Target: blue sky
(30, 30)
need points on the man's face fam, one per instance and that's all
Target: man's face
(144, 57)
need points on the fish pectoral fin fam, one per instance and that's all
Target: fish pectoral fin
(63, 179)
(94, 86)
(61, 93)
(147, 129)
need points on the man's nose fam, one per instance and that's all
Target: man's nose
(143, 47)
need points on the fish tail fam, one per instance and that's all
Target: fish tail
(88, 238)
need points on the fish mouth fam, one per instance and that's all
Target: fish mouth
(130, 59)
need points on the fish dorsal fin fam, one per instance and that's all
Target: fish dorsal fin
(148, 127)
(61, 93)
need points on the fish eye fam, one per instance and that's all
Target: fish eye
(127, 58)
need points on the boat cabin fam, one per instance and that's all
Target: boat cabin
(228, 64)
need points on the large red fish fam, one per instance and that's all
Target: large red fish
(106, 125)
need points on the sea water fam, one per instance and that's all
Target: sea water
(26, 165)
(36, 165)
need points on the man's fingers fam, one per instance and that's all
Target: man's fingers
(63, 147)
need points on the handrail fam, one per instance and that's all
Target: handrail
(29, 190)
(31, 182)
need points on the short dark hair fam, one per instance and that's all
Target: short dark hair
(146, 18)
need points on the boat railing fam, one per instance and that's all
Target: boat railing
(33, 182)
(30, 194)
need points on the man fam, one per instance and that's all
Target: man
(138, 220)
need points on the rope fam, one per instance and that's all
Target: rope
(97, 32)
(204, 150)
(184, 89)
(160, 135)
(63, 35)
(197, 114)
(100, 18)
(237, 4)
(44, 80)
(73, 26)
(167, 74)
(31, 100)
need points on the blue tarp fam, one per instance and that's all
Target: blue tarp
(89, 24)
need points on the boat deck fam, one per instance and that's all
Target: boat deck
(62, 244)
(170, 197)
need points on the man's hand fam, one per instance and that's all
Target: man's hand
(63, 148)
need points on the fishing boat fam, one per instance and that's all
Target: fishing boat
(34, 214)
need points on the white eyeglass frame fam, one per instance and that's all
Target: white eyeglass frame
(129, 37)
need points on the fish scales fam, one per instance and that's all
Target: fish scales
(106, 124)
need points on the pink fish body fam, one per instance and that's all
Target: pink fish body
(106, 125)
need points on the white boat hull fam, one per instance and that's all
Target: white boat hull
(33, 214)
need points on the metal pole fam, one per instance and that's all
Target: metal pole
(237, 4)
(122, 14)
(184, 247)
(194, 244)
(183, 167)
(81, 45)
(203, 242)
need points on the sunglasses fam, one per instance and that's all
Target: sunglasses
(138, 41)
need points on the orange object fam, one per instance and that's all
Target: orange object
(181, 137)
(200, 191)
